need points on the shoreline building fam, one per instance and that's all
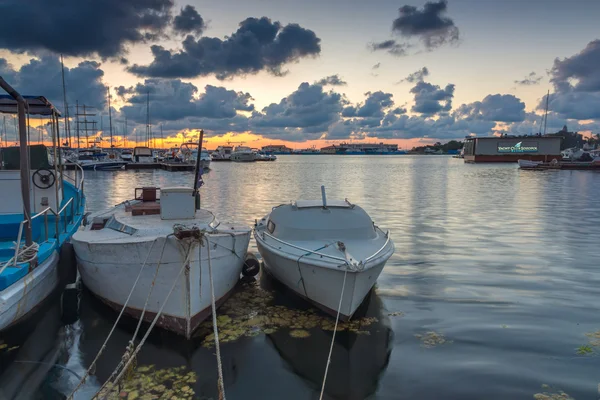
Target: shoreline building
(512, 148)
(276, 149)
(360, 148)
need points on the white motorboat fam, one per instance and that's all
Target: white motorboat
(188, 153)
(127, 155)
(260, 155)
(528, 163)
(222, 153)
(311, 246)
(242, 154)
(169, 244)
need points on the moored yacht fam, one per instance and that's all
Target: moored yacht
(242, 154)
(222, 153)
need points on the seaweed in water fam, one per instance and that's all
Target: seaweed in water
(147, 382)
(551, 394)
(250, 312)
(432, 339)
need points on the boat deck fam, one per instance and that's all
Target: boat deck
(138, 221)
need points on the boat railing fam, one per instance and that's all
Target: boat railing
(57, 215)
(366, 260)
(78, 183)
(387, 235)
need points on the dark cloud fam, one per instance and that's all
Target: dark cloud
(573, 104)
(417, 76)
(576, 81)
(429, 24)
(432, 99)
(305, 114)
(81, 27)
(494, 107)
(374, 106)
(258, 44)
(332, 80)
(189, 21)
(42, 76)
(579, 72)
(391, 46)
(529, 80)
(376, 66)
(172, 99)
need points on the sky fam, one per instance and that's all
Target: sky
(312, 72)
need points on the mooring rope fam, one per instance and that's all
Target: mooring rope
(131, 345)
(337, 318)
(154, 321)
(25, 254)
(87, 372)
(220, 383)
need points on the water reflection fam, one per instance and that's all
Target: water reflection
(479, 248)
(358, 359)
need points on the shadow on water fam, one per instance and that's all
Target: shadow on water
(358, 358)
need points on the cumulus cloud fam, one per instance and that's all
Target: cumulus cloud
(391, 46)
(579, 72)
(332, 80)
(529, 80)
(376, 66)
(431, 99)
(429, 24)
(305, 114)
(417, 76)
(42, 76)
(172, 100)
(65, 27)
(494, 107)
(189, 21)
(374, 106)
(576, 81)
(258, 44)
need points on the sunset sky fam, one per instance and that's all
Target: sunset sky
(311, 72)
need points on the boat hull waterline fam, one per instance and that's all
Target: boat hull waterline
(23, 297)
(110, 271)
(322, 286)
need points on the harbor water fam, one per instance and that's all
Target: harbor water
(492, 292)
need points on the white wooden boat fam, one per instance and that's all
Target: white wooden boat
(528, 163)
(308, 245)
(39, 211)
(114, 245)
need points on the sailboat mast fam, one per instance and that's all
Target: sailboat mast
(148, 118)
(109, 117)
(126, 132)
(546, 116)
(66, 105)
(77, 120)
(4, 129)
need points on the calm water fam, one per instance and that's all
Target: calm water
(502, 266)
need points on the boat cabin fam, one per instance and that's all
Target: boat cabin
(143, 154)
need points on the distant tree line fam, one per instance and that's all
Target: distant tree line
(452, 145)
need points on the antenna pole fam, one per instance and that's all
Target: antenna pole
(198, 161)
